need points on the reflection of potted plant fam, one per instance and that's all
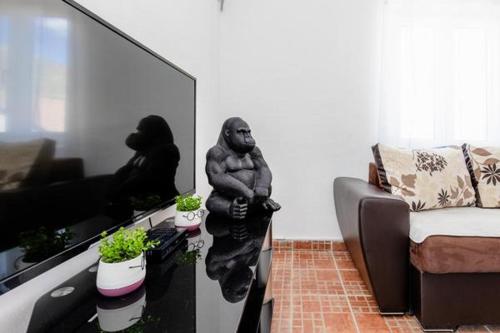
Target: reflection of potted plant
(143, 204)
(189, 212)
(120, 314)
(122, 267)
(40, 244)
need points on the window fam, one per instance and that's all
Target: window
(51, 57)
(3, 72)
(440, 76)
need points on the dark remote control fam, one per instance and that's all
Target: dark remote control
(169, 238)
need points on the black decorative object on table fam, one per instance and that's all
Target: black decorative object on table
(238, 173)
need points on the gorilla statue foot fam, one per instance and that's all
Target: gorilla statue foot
(271, 205)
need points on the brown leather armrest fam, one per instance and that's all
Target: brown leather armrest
(375, 227)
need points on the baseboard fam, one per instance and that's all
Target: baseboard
(287, 244)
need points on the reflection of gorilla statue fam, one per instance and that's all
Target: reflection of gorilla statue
(230, 257)
(238, 173)
(151, 171)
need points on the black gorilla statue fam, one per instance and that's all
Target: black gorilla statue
(238, 173)
(151, 171)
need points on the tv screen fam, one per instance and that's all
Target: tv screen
(94, 129)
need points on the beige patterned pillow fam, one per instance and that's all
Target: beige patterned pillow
(484, 168)
(16, 162)
(425, 178)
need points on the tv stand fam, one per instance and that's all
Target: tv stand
(217, 281)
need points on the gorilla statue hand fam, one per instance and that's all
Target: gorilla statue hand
(239, 208)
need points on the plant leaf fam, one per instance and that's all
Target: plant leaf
(407, 192)
(467, 194)
(454, 193)
(481, 152)
(491, 160)
(394, 181)
(409, 180)
(477, 173)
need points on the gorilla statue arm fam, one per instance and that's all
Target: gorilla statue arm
(219, 179)
(263, 176)
(263, 182)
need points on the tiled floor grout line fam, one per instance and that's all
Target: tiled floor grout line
(345, 293)
(291, 292)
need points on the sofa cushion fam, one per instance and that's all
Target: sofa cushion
(452, 254)
(425, 178)
(460, 222)
(484, 166)
(455, 240)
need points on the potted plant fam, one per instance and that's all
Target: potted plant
(122, 267)
(40, 244)
(189, 212)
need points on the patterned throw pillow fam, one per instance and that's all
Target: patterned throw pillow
(16, 162)
(425, 178)
(484, 168)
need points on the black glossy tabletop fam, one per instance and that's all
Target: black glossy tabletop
(202, 287)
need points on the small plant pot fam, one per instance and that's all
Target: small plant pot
(189, 220)
(117, 279)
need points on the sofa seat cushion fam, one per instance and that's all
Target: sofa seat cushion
(465, 221)
(456, 240)
(452, 254)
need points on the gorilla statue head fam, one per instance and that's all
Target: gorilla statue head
(151, 131)
(237, 136)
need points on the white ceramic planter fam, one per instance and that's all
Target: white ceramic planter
(188, 220)
(121, 278)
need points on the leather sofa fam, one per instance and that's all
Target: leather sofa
(375, 226)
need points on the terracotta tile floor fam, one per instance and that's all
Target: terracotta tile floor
(321, 291)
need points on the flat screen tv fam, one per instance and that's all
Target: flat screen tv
(95, 128)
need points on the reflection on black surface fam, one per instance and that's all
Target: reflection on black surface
(180, 296)
(165, 303)
(71, 92)
(236, 247)
(51, 204)
(151, 171)
(120, 314)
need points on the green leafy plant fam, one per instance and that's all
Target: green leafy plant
(41, 243)
(124, 245)
(189, 258)
(145, 203)
(188, 203)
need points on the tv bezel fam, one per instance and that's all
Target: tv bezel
(12, 281)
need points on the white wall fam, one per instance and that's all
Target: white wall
(302, 73)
